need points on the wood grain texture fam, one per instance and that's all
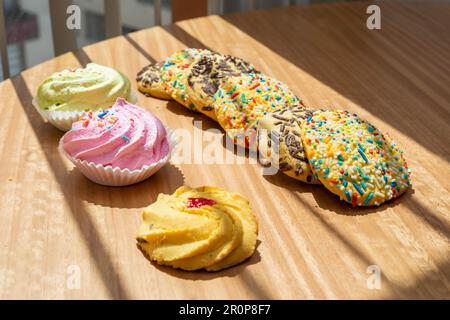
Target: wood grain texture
(311, 244)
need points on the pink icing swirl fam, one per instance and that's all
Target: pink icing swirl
(124, 136)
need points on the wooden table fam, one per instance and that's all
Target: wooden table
(57, 226)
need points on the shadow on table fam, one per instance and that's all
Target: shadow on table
(328, 201)
(205, 275)
(240, 271)
(179, 33)
(141, 50)
(236, 271)
(139, 195)
(182, 111)
(435, 283)
(209, 124)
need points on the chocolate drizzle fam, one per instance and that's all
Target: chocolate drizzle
(210, 70)
(287, 131)
(150, 74)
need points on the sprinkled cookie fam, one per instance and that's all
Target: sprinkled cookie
(353, 159)
(242, 101)
(150, 83)
(282, 128)
(174, 73)
(207, 74)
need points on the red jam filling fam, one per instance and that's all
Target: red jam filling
(200, 202)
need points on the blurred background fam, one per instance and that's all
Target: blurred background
(30, 40)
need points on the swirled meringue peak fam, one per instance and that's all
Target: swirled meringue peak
(124, 136)
(85, 89)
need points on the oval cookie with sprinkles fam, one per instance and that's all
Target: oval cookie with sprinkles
(206, 75)
(353, 159)
(242, 101)
(282, 128)
(150, 83)
(174, 73)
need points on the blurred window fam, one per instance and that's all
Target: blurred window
(29, 33)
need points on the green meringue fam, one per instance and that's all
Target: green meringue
(86, 89)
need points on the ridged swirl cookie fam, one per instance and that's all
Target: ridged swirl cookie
(198, 228)
(353, 159)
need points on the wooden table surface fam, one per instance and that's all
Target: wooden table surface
(62, 236)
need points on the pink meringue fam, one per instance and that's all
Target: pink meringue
(124, 136)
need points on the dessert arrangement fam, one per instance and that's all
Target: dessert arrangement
(114, 142)
(334, 148)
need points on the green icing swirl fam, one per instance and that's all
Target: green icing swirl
(93, 88)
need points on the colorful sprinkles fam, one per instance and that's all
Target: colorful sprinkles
(174, 73)
(243, 100)
(100, 119)
(353, 159)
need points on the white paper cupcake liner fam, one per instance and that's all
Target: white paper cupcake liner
(117, 177)
(63, 120)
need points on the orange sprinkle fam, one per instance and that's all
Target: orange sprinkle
(255, 86)
(354, 200)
